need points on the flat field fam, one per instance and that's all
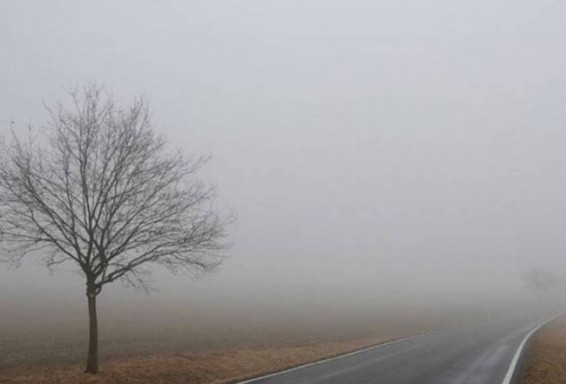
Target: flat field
(215, 349)
(220, 353)
(226, 366)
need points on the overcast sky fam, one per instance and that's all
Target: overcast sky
(368, 147)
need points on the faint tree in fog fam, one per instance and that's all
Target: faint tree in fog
(102, 192)
(539, 281)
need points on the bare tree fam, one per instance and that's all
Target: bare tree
(101, 191)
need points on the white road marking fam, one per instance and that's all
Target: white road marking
(516, 357)
(338, 357)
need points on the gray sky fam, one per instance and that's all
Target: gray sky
(370, 148)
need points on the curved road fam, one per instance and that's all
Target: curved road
(481, 355)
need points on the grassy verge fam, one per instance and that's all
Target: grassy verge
(545, 362)
(227, 366)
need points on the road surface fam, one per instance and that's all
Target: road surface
(479, 355)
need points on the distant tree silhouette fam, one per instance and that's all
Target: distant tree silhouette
(539, 281)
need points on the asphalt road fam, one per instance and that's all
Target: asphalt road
(478, 355)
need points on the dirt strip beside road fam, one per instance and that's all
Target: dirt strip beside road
(545, 361)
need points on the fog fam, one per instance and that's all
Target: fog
(376, 153)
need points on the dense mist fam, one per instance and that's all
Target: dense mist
(380, 156)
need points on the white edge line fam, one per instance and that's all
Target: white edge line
(519, 352)
(376, 346)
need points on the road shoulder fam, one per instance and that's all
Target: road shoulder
(545, 360)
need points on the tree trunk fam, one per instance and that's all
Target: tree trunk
(92, 360)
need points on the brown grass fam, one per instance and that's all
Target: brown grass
(545, 362)
(217, 367)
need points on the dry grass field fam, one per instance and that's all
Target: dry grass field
(217, 367)
(545, 362)
(217, 354)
